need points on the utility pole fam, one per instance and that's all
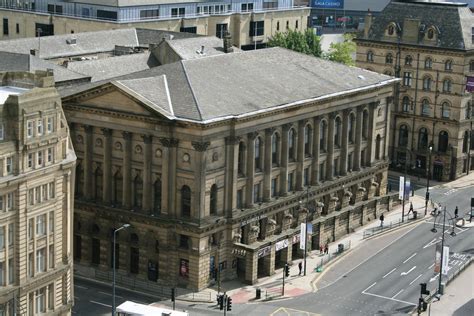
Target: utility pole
(428, 172)
(442, 253)
(306, 229)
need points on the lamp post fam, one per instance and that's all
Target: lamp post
(306, 229)
(428, 173)
(113, 264)
(404, 184)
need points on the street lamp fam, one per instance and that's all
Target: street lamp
(404, 184)
(428, 173)
(113, 264)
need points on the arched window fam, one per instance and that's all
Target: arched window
(425, 107)
(351, 128)
(185, 201)
(389, 59)
(406, 104)
(307, 140)
(291, 145)
(322, 135)
(408, 60)
(365, 125)
(465, 142)
(275, 149)
(337, 132)
(241, 162)
(403, 136)
(448, 65)
(428, 63)
(157, 196)
(427, 83)
(443, 140)
(138, 192)
(447, 86)
(422, 138)
(445, 110)
(430, 34)
(79, 180)
(98, 176)
(213, 200)
(258, 154)
(390, 30)
(378, 142)
(117, 188)
(370, 56)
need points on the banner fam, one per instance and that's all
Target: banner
(437, 266)
(310, 229)
(401, 189)
(445, 260)
(281, 245)
(407, 189)
(303, 236)
(470, 84)
(328, 4)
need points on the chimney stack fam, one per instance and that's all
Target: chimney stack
(367, 24)
(228, 43)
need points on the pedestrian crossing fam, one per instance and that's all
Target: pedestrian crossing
(450, 192)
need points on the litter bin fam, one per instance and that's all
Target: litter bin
(340, 248)
(415, 214)
(258, 293)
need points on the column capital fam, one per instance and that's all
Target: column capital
(270, 131)
(200, 146)
(332, 115)
(106, 131)
(127, 135)
(232, 140)
(303, 122)
(317, 119)
(87, 128)
(346, 112)
(147, 139)
(286, 127)
(169, 142)
(373, 105)
(252, 135)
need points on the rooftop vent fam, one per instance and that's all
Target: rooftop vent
(71, 41)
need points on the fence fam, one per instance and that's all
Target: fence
(330, 256)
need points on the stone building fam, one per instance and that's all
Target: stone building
(250, 22)
(430, 46)
(36, 205)
(220, 168)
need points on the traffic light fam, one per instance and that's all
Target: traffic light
(173, 294)
(422, 305)
(287, 270)
(424, 291)
(220, 301)
(229, 303)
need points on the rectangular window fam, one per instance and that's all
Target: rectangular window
(178, 12)
(11, 272)
(2, 273)
(51, 190)
(321, 171)
(41, 300)
(39, 127)
(29, 130)
(2, 237)
(221, 29)
(274, 187)
(246, 7)
(290, 182)
(183, 241)
(51, 296)
(59, 9)
(30, 265)
(256, 193)
(51, 222)
(39, 158)
(2, 131)
(407, 79)
(51, 256)
(18, 28)
(50, 125)
(31, 196)
(50, 8)
(1, 204)
(11, 235)
(41, 260)
(41, 225)
(10, 200)
(149, 14)
(306, 177)
(44, 190)
(107, 15)
(240, 199)
(30, 160)
(31, 224)
(190, 29)
(5, 26)
(9, 166)
(270, 5)
(256, 28)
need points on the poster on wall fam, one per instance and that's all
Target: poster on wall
(184, 268)
(328, 4)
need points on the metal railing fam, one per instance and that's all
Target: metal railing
(380, 229)
(326, 258)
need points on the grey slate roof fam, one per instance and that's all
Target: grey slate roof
(150, 36)
(189, 48)
(242, 83)
(106, 68)
(86, 43)
(453, 20)
(26, 62)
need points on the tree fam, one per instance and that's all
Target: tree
(343, 52)
(306, 43)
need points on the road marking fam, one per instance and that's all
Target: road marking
(434, 278)
(99, 303)
(431, 243)
(405, 273)
(397, 293)
(389, 273)
(369, 287)
(415, 279)
(389, 298)
(81, 287)
(431, 266)
(108, 294)
(409, 257)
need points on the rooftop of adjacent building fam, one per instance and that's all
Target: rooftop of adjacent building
(6, 91)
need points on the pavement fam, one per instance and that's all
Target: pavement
(297, 285)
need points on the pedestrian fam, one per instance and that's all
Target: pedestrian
(411, 207)
(300, 266)
(381, 219)
(326, 249)
(321, 249)
(456, 212)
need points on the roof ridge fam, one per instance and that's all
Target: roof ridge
(191, 88)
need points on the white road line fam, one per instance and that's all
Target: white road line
(81, 287)
(410, 257)
(108, 294)
(405, 273)
(369, 287)
(99, 303)
(415, 279)
(397, 293)
(431, 266)
(388, 298)
(434, 278)
(389, 273)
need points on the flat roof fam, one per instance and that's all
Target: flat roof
(6, 91)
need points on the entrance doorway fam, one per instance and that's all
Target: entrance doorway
(279, 260)
(438, 172)
(260, 268)
(241, 268)
(296, 252)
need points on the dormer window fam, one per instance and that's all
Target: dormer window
(430, 34)
(370, 56)
(391, 29)
(408, 60)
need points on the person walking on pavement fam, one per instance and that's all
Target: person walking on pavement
(381, 219)
(411, 207)
(300, 267)
(321, 249)
(326, 249)
(456, 212)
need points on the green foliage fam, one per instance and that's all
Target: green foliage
(306, 43)
(343, 52)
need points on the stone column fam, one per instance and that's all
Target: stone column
(231, 161)
(267, 165)
(269, 262)
(168, 174)
(300, 155)
(372, 134)
(200, 179)
(358, 139)
(127, 170)
(284, 161)
(287, 253)
(250, 168)
(316, 144)
(251, 265)
(88, 152)
(330, 155)
(345, 138)
(107, 163)
(147, 185)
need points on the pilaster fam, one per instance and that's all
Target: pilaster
(107, 163)
(127, 170)
(300, 155)
(147, 185)
(284, 161)
(316, 144)
(200, 149)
